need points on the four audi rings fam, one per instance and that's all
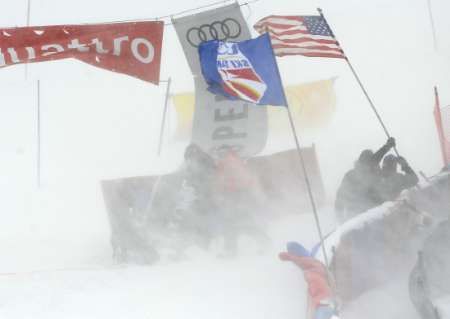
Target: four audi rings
(218, 30)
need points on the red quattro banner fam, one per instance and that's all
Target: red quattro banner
(129, 48)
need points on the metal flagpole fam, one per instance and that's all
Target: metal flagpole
(372, 105)
(302, 163)
(28, 24)
(38, 111)
(307, 182)
(433, 29)
(28, 12)
(38, 128)
(163, 121)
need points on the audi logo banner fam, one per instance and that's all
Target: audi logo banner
(225, 24)
(220, 123)
(225, 30)
(130, 48)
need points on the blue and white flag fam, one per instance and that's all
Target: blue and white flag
(244, 70)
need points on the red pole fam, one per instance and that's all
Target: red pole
(440, 130)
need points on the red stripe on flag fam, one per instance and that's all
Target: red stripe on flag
(271, 17)
(280, 53)
(288, 32)
(244, 74)
(283, 26)
(302, 40)
(252, 94)
(309, 47)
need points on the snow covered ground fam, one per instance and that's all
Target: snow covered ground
(443, 306)
(391, 302)
(60, 267)
(56, 263)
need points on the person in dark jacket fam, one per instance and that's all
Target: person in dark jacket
(195, 207)
(392, 183)
(198, 162)
(358, 191)
(199, 175)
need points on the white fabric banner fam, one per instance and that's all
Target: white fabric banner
(220, 123)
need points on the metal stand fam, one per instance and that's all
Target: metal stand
(38, 128)
(163, 121)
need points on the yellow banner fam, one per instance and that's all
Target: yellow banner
(312, 105)
(184, 107)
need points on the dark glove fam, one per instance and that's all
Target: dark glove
(403, 163)
(390, 142)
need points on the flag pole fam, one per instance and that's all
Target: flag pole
(372, 105)
(308, 184)
(163, 121)
(28, 12)
(439, 125)
(433, 29)
(28, 24)
(38, 128)
(38, 111)
(305, 177)
(302, 161)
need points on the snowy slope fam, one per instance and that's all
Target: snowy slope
(390, 302)
(443, 306)
(59, 266)
(201, 289)
(44, 280)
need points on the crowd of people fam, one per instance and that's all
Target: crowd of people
(368, 184)
(218, 199)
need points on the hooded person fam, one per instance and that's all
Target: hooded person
(195, 207)
(200, 170)
(392, 183)
(198, 163)
(358, 191)
(320, 294)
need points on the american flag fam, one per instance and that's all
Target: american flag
(300, 35)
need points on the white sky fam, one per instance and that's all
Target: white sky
(98, 124)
